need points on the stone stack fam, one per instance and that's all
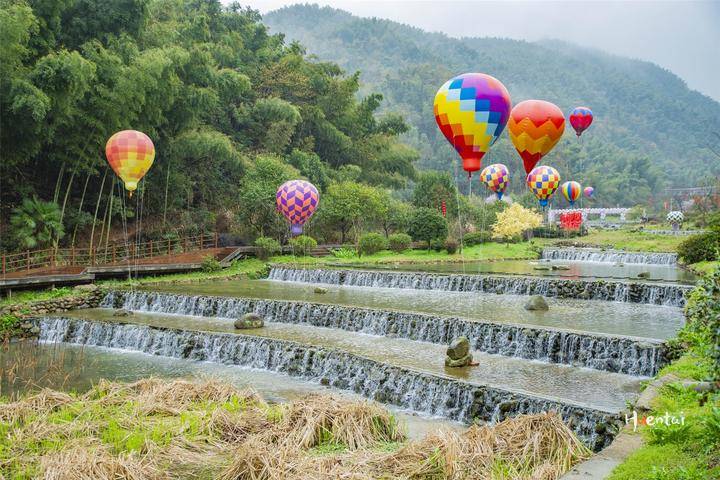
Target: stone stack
(249, 320)
(458, 353)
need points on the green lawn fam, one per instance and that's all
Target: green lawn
(626, 239)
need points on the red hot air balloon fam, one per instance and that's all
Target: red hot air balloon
(297, 201)
(535, 126)
(472, 110)
(580, 119)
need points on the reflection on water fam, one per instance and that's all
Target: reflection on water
(575, 269)
(75, 368)
(592, 387)
(619, 318)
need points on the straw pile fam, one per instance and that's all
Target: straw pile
(157, 429)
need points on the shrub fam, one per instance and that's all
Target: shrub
(302, 245)
(475, 238)
(451, 246)
(437, 244)
(210, 264)
(267, 247)
(698, 248)
(8, 322)
(344, 252)
(399, 242)
(370, 243)
(428, 224)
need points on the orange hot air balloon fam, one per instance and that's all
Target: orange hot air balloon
(130, 154)
(535, 126)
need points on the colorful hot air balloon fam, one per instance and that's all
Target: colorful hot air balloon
(297, 201)
(535, 126)
(472, 110)
(496, 177)
(588, 192)
(543, 181)
(130, 154)
(580, 119)
(571, 191)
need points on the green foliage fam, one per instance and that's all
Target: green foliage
(476, 238)
(347, 205)
(370, 243)
(434, 188)
(267, 247)
(344, 252)
(428, 224)
(210, 264)
(37, 224)
(399, 242)
(701, 247)
(8, 322)
(395, 217)
(302, 245)
(451, 246)
(701, 334)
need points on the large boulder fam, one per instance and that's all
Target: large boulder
(560, 267)
(643, 275)
(536, 302)
(122, 313)
(458, 348)
(320, 290)
(460, 362)
(249, 320)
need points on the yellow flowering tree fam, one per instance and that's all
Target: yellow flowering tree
(513, 221)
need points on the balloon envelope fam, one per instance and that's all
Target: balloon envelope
(571, 191)
(297, 201)
(130, 154)
(543, 181)
(580, 119)
(496, 177)
(588, 192)
(472, 110)
(535, 127)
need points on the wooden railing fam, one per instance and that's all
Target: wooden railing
(105, 254)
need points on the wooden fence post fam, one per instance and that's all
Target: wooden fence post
(184, 244)
(72, 255)
(151, 252)
(27, 260)
(113, 253)
(92, 255)
(216, 240)
(3, 264)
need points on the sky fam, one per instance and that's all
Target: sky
(681, 36)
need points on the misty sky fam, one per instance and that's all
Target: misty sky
(682, 36)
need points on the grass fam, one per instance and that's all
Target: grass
(29, 296)
(167, 429)
(705, 268)
(632, 240)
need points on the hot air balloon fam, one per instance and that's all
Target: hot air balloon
(571, 191)
(130, 154)
(496, 177)
(543, 181)
(535, 126)
(580, 119)
(472, 110)
(588, 192)
(297, 201)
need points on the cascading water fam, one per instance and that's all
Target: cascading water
(422, 392)
(602, 352)
(655, 294)
(608, 256)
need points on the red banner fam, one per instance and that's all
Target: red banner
(571, 221)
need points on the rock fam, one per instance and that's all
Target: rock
(536, 302)
(703, 387)
(122, 313)
(249, 320)
(461, 362)
(35, 330)
(541, 267)
(560, 267)
(90, 287)
(619, 264)
(643, 275)
(458, 348)
(26, 325)
(644, 402)
(320, 290)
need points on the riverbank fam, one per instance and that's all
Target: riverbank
(154, 429)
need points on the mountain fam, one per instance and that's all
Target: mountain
(650, 130)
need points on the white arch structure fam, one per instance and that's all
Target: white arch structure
(586, 213)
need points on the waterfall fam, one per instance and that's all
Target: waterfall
(608, 256)
(601, 352)
(655, 294)
(404, 387)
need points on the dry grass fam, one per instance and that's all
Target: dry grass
(156, 429)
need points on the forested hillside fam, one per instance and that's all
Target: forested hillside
(650, 130)
(232, 110)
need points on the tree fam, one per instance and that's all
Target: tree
(257, 194)
(395, 217)
(348, 205)
(427, 224)
(37, 223)
(513, 221)
(434, 188)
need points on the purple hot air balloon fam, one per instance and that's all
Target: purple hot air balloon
(588, 192)
(297, 201)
